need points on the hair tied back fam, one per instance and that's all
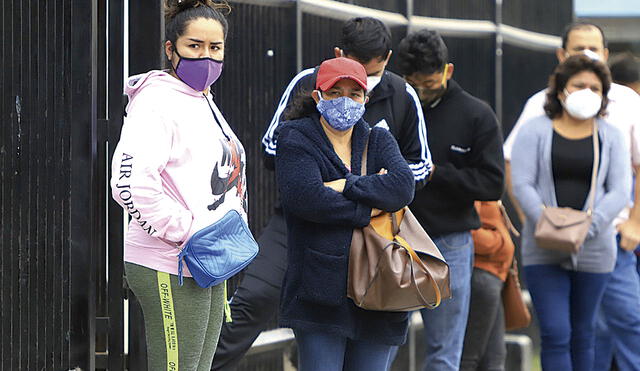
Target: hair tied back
(174, 7)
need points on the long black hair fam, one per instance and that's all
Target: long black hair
(302, 105)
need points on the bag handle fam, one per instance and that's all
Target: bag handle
(415, 258)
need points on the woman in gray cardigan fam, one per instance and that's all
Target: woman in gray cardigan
(551, 166)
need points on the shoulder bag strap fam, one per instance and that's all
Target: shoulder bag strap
(363, 169)
(594, 171)
(507, 220)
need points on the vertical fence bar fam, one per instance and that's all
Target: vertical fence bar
(145, 53)
(412, 334)
(145, 37)
(498, 63)
(115, 50)
(100, 250)
(298, 36)
(83, 186)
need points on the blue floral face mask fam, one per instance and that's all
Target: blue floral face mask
(341, 113)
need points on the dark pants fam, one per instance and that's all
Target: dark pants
(566, 303)
(319, 351)
(484, 347)
(255, 302)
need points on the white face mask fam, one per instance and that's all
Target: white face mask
(372, 82)
(582, 104)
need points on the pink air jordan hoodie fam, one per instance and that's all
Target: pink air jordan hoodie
(177, 168)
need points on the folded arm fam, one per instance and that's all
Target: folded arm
(487, 239)
(390, 191)
(303, 193)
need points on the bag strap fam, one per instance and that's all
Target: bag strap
(363, 171)
(363, 168)
(394, 224)
(514, 265)
(507, 220)
(594, 171)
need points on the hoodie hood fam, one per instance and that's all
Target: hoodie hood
(137, 83)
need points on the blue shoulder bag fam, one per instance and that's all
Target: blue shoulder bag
(218, 251)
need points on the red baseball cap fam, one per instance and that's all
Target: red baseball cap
(335, 69)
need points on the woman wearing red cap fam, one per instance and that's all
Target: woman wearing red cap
(324, 197)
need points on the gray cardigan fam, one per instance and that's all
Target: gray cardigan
(533, 186)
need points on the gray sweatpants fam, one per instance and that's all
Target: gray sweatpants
(182, 323)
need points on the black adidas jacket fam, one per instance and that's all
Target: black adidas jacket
(393, 105)
(466, 144)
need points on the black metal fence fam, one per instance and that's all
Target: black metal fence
(62, 291)
(48, 183)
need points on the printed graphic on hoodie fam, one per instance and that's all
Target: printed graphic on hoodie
(228, 173)
(124, 192)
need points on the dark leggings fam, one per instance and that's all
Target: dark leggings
(566, 303)
(182, 323)
(484, 347)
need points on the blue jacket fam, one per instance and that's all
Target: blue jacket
(320, 222)
(533, 186)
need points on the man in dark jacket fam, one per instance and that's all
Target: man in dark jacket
(392, 105)
(466, 145)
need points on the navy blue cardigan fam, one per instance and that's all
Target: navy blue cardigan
(320, 222)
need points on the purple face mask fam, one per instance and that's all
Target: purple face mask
(198, 73)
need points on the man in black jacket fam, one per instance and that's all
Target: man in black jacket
(466, 147)
(393, 105)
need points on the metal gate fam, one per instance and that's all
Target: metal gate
(62, 296)
(50, 204)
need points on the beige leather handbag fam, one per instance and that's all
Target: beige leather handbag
(394, 265)
(564, 228)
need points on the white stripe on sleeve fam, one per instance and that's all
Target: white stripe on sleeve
(267, 139)
(422, 169)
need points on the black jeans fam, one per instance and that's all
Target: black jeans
(257, 299)
(484, 347)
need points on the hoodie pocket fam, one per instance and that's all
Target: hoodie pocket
(324, 278)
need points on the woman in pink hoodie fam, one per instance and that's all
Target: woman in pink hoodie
(178, 168)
